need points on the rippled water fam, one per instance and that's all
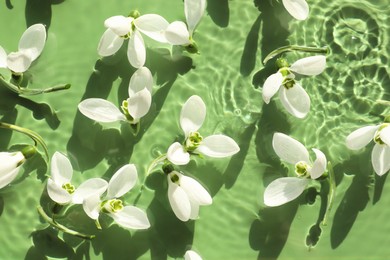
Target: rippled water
(233, 38)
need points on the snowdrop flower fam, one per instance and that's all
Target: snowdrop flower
(286, 189)
(30, 47)
(299, 9)
(178, 33)
(120, 28)
(192, 255)
(293, 97)
(126, 216)
(380, 134)
(186, 195)
(62, 191)
(135, 107)
(192, 116)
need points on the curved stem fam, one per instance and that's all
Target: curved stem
(36, 137)
(289, 48)
(31, 92)
(331, 194)
(155, 162)
(62, 227)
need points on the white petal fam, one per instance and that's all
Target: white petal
(10, 161)
(61, 169)
(177, 33)
(119, 24)
(152, 25)
(195, 190)
(361, 137)
(310, 66)
(91, 206)
(131, 217)
(94, 186)
(142, 78)
(218, 146)
(283, 190)
(109, 43)
(295, 100)
(271, 86)
(33, 40)
(177, 155)
(122, 181)
(192, 115)
(179, 201)
(192, 255)
(139, 103)
(319, 165)
(7, 177)
(100, 110)
(3, 58)
(380, 158)
(298, 9)
(57, 193)
(194, 10)
(136, 52)
(194, 210)
(384, 135)
(289, 149)
(18, 62)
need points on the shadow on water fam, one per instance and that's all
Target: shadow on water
(219, 12)
(39, 11)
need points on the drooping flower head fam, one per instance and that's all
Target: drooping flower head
(192, 117)
(299, 9)
(293, 97)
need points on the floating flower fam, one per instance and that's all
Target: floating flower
(178, 33)
(192, 255)
(121, 28)
(126, 216)
(286, 189)
(293, 97)
(30, 47)
(380, 134)
(186, 195)
(62, 191)
(135, 107)
(299, 9)
(192, 116)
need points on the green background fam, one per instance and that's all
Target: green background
(233, 38)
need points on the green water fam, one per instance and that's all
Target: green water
(233, 38)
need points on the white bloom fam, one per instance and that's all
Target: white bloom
(285, 189)
(192, 116)
(126, 216)
(10, 164)
(186, 195)
(135, 107)
(178, 33)
(62, 191)
(121, 28)
(192, 255)
(380, 134)
(293, 97)
(299, 9)
(30, 47)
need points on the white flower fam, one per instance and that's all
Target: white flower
(126, 216)
(298, 9)
(177, 32)
(186, 195)
(380, 134)
(192, 116)
(10, 164)
(62, 191)
(135, 107)
(121, 28)
(286, 189)
(192, 255)
(293, 97)
(30, 47)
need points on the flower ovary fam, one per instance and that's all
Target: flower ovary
(193, 141)
(112, 206)
(301, 169)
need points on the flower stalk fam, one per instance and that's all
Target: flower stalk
(331, 194)
(290, 48)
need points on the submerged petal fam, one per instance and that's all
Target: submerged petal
(33, 40)
(295, 100)
(218, 146)
(195, 191)
(271, 86)
(10, 161)
(57, 193)
(139, 103)
(100, 110)
(91, 187)
(380, 158)
(131, 217)
(7, 177)
(309, 66)
(19, 61)
(177, 33)
(109, 43)
(298, 9)
(61, 169)
(3, 58)
(192, 255)
(384, 134)
(319, 165)
(119, 24)
(192, 115)
(177, 155)
(91, 206)
(136, 52)
(122, 181)
(179, 201)
(284, 190)
(142, 78)
(361, 137)
(194, 10)
(152, 25)
(289, 149)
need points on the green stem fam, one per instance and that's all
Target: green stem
(31, 92)
(154, 163)
(331, 194)
(61, 227)
(383, 102)
(289, 48)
